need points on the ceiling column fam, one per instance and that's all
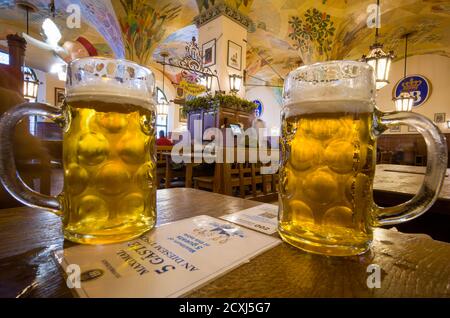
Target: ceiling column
(228, 27)
(17, 46)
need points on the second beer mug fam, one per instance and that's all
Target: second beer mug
(108, 121)
(329, 130)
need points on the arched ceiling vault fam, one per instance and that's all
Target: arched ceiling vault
(285, 33)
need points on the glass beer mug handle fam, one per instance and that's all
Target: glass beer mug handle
(435, 171)
(8, 172)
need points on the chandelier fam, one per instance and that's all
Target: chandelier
(30, 84)
(377, 58)
(405, 101)
(162, 107)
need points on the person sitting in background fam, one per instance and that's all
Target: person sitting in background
(162, 140)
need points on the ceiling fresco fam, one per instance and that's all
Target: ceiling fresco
(288, 33)
(145, 24)
(285, 33)
(97, 23)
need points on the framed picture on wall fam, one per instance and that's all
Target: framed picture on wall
(209, 53)
(182, 117)
(395, 128)
(411, 129)
(234, 55)
(439, 118)
(59, 96)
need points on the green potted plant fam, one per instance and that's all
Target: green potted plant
(209, 102)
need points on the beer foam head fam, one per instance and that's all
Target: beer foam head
(110, 80)
(335, 86)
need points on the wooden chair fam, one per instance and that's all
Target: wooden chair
(262, 184)
(234, 178)
(168, 171)
(419, 160)
(36, 171)
(211, 183)
(243, 179)
(386, 157)
(161, 163)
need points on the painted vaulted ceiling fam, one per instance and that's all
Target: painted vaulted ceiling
(284, 34)
(98, 22)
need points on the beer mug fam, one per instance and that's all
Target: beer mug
(108, 122)
(330, 126)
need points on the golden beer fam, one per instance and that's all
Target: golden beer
(109, 159)
(109, 170)
(326, 179)
(329, 128)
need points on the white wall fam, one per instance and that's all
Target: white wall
(42, 90)
(436, 69)
(169, 90)
(52, 82)
(271, 103)
(224, 29)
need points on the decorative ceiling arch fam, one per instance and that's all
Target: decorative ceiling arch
(145, 24)
(285, 33)
(99, 24)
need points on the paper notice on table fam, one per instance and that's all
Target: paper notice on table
(262, 218)
(170, 261)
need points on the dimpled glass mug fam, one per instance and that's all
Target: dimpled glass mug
(329, 129)
(108, 122)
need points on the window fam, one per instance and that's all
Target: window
(4, 58)
(160, 96)
(161, 124)
(161, 120)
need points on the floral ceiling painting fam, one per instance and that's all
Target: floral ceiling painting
(13, 20)
(313, 35)
(243, 6)
(290, 33)
(175, 46)
(145, 24)
(284, 33)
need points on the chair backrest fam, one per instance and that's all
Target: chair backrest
(386, 157)
(247, 174)
(160, 157)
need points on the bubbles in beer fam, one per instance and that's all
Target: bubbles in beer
(326, 178)
(147, 123)
(339, 216)
(112, 179)
(92, 148)
(113, 122)
(92, 211)
(77, 177)
(339, 156)
(288, 182)
(323, 128)
(305, 153)
(109, 170)
(321, 186)
(130, 149)
(132, 205)
(301, 212)
(145, 176)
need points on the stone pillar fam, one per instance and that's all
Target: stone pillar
(224, 24)
(17, 46)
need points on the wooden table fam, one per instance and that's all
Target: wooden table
(405, 180)
(412, 265)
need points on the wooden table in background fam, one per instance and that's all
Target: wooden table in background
(403, 179)
(395, 184)
(411, 265)
(189, 160)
